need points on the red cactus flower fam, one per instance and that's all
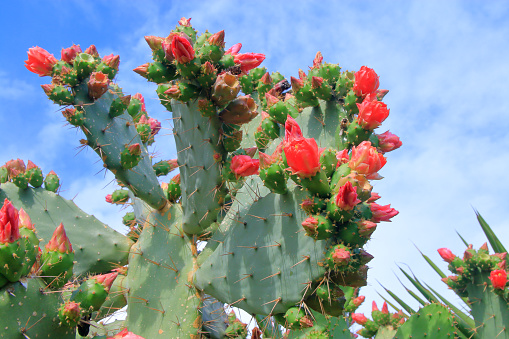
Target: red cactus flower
(155, 126)
(498, 279)
(68, 54)
(374, 197)
(382, 213)
(92, 50)
(112, 60)
(366, 81)
(109, 199)
(342, 157)
(388, 142)
(346, 199)
(446, 254)
(18, 165)
(303, 156)
(98, 84)
(40, 61)
(182, 49)
(366, 160)
(248, 61)
(185, 22)
(106, 279)
(372, 114)
(59, 241)
(125, 334)
(217, 39)
(359, 318)
(292, 130)
(234, 50)
(9, 223)
(244, 165)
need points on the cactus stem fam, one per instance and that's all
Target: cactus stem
(272, 275)
(306, 257)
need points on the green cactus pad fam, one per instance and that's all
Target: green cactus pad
(98, 248)
(432, 321)
(109, 136)
(203, 190)
(163, 257)
(268, 233)
(25, 309)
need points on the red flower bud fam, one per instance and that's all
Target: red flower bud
(292, 130)
(40, 61)
(9, 223)
(346, 199)
(342, 157)
(185, 22)
(317, 62)
(68, 54)
(388, 142)
(373, 306)
(142, 70)
(135, 149)
(358, 301)
(244, 165)
(182, 49)
(24, 220)
(446, 254)
(106, 279)
(92, 51)
(498, 279)
(316, 82)
(297, 84)
(341, 256)
(366, 81)
(248, 61)
(217, 39)
(310, 225)
(109, 199)
(372, 114)
(154, 42)
(382, 213)
(359, 318)
(140, 97)
(234, 50)
(59, 241)
(385, 308)
(366, 227)
(112, 61)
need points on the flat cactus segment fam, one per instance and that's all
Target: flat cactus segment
(29, 313)
(265, 260)
(117, 297)
(385, 333)
(98, 248)
(432, 321)
(108, 137)
(203, 190)
(490, 311)
(323, 123)
(162, 257)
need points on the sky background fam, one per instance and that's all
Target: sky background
(445, 63)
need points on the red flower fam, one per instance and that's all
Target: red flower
(182, 49)
(106, 279)
(446, 254)
(372, 114)
(498, 279)
(9, 223)
(292, 130)
(347, 197)
(244, 165)
(248, 61)
(359, 318)
(109, 199)
(303, 156)
(366, 81)
(342, 157)
(40, 61)
(388, 142)
(68, 54)
(366, 160)
(382, 213)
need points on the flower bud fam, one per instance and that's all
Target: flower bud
(68, 54)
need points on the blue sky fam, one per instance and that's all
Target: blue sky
(445, 63)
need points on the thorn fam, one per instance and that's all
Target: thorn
(306, 257)
(255, 216)
(276, 244)
(246, 276)
(228, 253)
(233, 303)
(283, 215)
(270, 276)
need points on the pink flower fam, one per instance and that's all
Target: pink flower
(9, 223)
(359, 318)
(248, 61)
(372, 114)
(68, 54)
(446, 254)
(382, 213)
(303, 156)
(366, 160)
(498, 279)
(244, 165)
(366, 81)
(182, 49)
(40, 61)
(59, 241)
(388, 142)
(347, 197)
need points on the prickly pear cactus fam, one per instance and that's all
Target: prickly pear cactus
(274, 175)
